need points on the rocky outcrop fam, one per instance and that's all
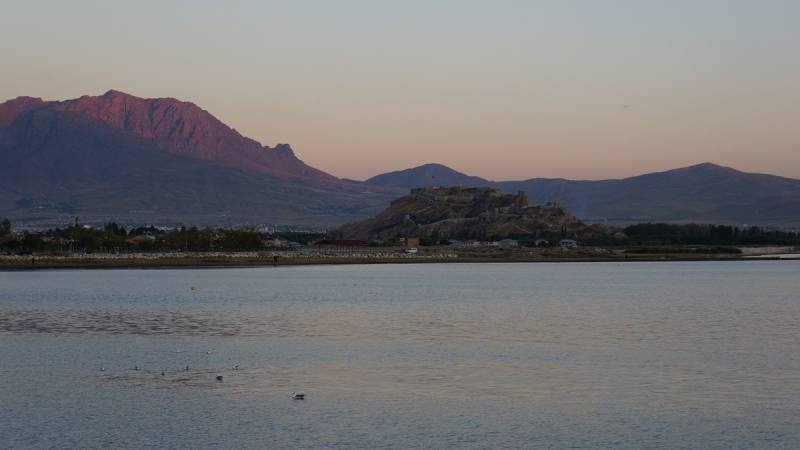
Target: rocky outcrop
(449, 211)
(176, 127)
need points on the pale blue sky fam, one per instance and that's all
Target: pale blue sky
(502, 90)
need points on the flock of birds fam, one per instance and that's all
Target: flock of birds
(295, 395)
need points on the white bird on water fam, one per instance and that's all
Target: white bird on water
(297, 396)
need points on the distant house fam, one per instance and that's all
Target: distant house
(567, 243)
(509, 242)
(540, 242)
(454, 242)
(408, 241)
(273, 241)
(472, 242)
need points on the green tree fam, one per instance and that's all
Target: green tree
(13, 244)
(5, 227)
(425, 241)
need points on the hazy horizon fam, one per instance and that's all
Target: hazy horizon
(579, 90)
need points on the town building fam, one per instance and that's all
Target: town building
(273, 241)
(509, 242)
(408, 241)
(567, 243)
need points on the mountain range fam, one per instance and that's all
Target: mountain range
(704, 193)
(120, 157)
(130, 159)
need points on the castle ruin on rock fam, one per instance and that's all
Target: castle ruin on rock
(451, 210)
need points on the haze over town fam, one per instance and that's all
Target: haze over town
(510, 90)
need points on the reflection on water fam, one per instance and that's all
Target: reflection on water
(482, 355)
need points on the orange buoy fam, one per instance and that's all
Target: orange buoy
(194, 288)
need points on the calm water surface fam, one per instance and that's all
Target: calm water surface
(644, 355)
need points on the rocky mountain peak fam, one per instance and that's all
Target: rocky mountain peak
(11, 109)
(176, 127)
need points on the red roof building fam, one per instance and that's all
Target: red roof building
(408, 241)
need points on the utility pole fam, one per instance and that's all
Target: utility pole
(75, 236)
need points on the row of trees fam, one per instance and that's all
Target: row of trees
(113, 238)
(645, 234)
(694, 234)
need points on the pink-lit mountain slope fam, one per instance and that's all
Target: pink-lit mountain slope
(119, 157)
(176, 127)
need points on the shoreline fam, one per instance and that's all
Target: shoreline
(221, 263)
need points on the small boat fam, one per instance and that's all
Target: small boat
(297, 396)
(219, 377)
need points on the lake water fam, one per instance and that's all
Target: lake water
(572, 355)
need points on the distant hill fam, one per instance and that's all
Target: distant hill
(451, 211)
(424, 176)
(705, 193)
(149, 163)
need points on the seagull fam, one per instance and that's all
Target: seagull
(208, 352)
(162, 374)
(236, 367)
(102, 369)
(186, 368)
(297, 396)
(137, 368)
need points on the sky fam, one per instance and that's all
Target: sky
(505, 90)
